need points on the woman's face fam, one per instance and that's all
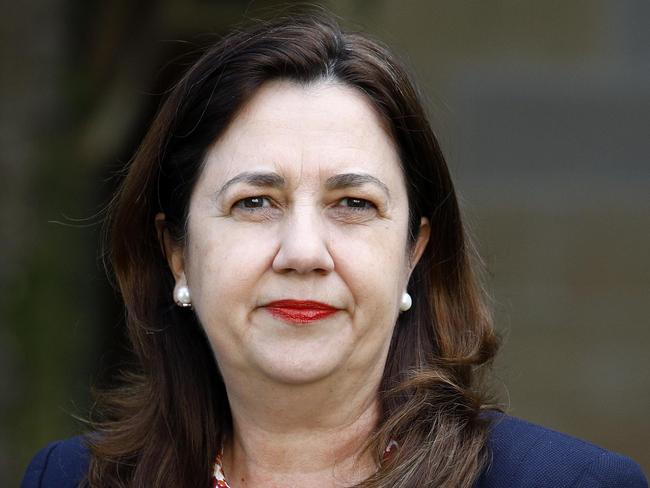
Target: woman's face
(301, 200)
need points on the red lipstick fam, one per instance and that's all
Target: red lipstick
(300, 311)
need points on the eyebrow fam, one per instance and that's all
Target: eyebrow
(274, 180)
(352, 180)
(259, 179)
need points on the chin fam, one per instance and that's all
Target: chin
(300, 369)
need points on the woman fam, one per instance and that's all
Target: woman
(299, 291)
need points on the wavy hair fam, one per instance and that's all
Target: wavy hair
(164, 421)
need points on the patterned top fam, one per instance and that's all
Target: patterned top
(219, 477)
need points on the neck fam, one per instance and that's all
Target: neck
(301, 435)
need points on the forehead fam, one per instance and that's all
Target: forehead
(286, 127)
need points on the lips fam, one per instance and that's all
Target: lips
(300, 311)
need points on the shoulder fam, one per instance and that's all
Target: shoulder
(528, 455)
(61, 464)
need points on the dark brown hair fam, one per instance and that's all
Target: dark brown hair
(164, 423)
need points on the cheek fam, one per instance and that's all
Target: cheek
(373, 264)
(372, 268)
(224, 266)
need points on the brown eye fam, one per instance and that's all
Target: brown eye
(253, 202)
(357, 203)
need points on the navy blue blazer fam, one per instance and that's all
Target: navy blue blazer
(521, 455)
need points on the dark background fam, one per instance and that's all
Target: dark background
(543, 108)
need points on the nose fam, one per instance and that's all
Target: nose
(303, 244)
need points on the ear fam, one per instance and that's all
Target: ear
(420, 244)
(172, 251)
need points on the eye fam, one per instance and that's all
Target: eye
(253, 202)
(356, 203)
(258, 208)
(354, 210)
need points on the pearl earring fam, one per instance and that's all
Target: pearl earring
(406, 302)
(182, 296)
